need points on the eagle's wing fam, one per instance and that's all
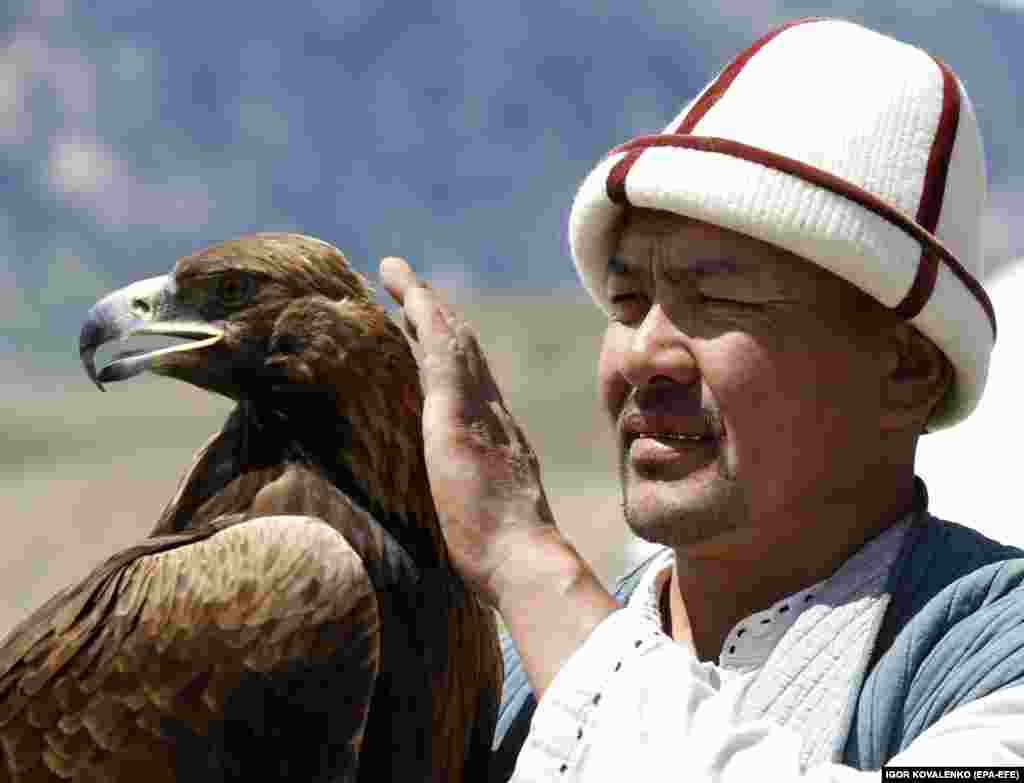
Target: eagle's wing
(198, 656)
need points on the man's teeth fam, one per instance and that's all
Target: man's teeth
(664, 436)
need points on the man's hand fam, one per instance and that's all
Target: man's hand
(486, 484)
(484, 476)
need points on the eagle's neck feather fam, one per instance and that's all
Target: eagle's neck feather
(370, 458)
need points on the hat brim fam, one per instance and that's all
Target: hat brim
(806, 211)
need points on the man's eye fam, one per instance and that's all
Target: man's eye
(627, 307)
(717, 300)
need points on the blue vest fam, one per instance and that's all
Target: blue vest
(953, 632)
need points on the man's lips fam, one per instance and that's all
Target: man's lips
(651, 454)
(654, 443)
(644, 425)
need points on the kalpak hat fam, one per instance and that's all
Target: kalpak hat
(851, 149)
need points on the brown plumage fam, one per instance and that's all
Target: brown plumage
(293, 614)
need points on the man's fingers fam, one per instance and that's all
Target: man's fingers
(427, 317)
(433, 325)
(397, 277)
(478, 365)
(455, 369)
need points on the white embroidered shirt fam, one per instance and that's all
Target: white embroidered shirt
(632, 703)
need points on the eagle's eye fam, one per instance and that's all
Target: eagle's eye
(234, 290)
(286, 344)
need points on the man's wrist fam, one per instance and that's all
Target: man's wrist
(531, 559)
(550, 601)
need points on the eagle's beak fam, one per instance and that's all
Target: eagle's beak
(145, 307)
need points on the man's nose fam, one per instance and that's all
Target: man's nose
(659, 349)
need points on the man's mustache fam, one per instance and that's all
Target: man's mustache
(670, 401)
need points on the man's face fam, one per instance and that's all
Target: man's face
(744, 383)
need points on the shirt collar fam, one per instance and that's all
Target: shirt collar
(752, 639)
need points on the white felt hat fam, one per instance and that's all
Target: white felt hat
(849, 148)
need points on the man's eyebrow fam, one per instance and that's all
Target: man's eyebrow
(710, 266)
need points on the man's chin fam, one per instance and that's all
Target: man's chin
(683, 512)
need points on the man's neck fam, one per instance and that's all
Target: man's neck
(713, 588)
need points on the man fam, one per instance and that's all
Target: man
(790, 274)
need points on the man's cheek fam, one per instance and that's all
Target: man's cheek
(762, 429)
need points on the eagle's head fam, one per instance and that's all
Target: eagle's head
(223, 307)
(282, 324)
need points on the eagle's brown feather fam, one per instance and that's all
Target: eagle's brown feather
(170, 635)
(296, 582)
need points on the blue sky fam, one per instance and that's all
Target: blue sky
(453, 132)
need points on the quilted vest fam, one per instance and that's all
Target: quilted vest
(953, 632)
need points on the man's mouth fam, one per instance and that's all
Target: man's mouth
(676, 442)
(668, 436)
(677, 452)
(666, 441)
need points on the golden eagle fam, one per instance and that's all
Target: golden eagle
(293, 614)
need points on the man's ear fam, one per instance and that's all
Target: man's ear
(918, 375)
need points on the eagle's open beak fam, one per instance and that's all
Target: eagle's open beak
(147, 307)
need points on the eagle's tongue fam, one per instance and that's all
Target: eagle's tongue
(126, 354)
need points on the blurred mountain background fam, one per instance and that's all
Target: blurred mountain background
(453, 132)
